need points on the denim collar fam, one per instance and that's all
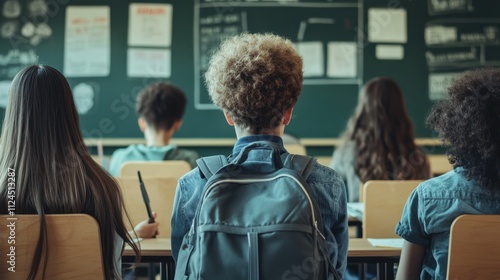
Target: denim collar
(243, 141)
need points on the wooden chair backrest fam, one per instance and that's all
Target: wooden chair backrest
(296, 149)
(165, 168)
(74, 246)
(161, 192)
(474, 251)
(439, 164)
(384, 202)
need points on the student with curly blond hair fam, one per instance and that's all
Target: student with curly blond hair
(256, 79)
(469, 123)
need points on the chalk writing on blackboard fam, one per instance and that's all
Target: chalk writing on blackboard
(457, 44)
(436, 7)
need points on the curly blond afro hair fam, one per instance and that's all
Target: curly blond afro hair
(255, 78)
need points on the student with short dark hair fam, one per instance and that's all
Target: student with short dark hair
(54, 174)
(256, 80)
(379, 143)
(468, 121)
(160, 108)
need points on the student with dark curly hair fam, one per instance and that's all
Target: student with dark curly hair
(379, 143)
(256, 79)
(160, 108)
(469, 122)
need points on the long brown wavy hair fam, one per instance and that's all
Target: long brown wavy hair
(383, 135)
(41, 140)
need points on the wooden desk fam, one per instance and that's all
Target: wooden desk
(154, 250)
(360, 251)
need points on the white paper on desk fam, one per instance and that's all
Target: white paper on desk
(154, 63)
(342, 60)
(312, 55)
(387, 242)
(150, 25)
(387, 25)
(87, 41)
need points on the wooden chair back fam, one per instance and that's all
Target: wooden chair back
(166, 168)
(161, 192)
(296, 149)
(439, 164)
(474, 251)
(74, 246)
(384, 202)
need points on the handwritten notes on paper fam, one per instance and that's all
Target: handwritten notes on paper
(87, 41)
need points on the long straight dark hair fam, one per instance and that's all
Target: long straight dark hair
(383, 135)
(41, 140)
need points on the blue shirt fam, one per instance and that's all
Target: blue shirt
(327, 187)
(432, 208)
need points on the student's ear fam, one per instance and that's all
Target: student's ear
(142, 124)
(287, 117)
(177, 125)
(228, 119)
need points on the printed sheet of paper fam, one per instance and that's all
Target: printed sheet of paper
(152, 63)
(312, 55)
(87, 41)
(150, 25)
(389, 52)
(387, 25)
(342, 60)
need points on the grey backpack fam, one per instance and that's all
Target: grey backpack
(255, 226)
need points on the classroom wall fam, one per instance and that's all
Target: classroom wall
(105, 48)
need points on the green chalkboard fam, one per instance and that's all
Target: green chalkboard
(343, 43)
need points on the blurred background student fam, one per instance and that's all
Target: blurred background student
(160, 108)
(42, 142)
(379, 142)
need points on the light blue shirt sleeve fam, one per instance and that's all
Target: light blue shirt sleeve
(411, 226)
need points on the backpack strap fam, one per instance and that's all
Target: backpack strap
(170, 154)
(210, 165)
(302, 164)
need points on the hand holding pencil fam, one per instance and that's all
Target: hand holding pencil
(145, 229)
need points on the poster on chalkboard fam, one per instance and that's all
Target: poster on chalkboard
(87, 41)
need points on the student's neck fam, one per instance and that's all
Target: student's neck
(278, 131)
(157, 138)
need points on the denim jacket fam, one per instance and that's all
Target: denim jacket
(432, 208)
(328, 190)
